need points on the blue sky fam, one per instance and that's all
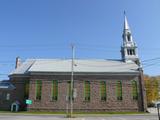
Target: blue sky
(46, 28)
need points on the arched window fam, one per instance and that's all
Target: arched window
(103, 90)
(119, 90)
(69, 92)
(129, 37)
(128, 52)
(87, 90)
(55, 90)
(134, 90)
(26, 91)
(133, 51)
(38, 89)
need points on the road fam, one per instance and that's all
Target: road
(61, 117)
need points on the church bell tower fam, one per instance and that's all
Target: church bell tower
(129, 47)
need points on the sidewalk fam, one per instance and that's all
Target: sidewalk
(76, 114)
(152, 110)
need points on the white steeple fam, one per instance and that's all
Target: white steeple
(129, 47)
(126, 25)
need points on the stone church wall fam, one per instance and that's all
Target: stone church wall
(95, 103)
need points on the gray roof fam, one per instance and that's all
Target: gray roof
(80, 65)
(6, 85)
(24, 67)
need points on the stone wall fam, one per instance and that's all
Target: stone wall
(79, 104)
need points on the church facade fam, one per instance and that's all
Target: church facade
(99, 85)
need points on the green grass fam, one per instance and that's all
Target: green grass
(76, 113)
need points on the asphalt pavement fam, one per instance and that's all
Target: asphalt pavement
(86, 117)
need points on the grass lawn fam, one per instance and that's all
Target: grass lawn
(76, 113)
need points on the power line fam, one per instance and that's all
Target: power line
(94, 46)
(153, 59)
(151, 65)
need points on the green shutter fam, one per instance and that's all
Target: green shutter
(119, 90)
(38, 89)
(55, 90)
(103, 90)
(26, 91)
(69, 90)
(134, 90)
(87, 91)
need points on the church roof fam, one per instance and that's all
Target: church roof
(80, 66)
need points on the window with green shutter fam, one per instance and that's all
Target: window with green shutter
(103, 90)
(119, 90)
(26, 89)
(69, 90)
(38, 89)
(55, 90)
(134, 90)
(87, 91)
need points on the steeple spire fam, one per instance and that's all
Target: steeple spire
(126, 25)
(129, 47)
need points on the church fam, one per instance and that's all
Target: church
(99, 85)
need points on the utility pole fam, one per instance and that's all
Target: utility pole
(72, 74)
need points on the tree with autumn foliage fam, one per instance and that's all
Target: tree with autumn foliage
(152, 89)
